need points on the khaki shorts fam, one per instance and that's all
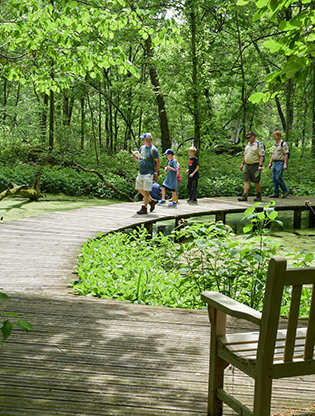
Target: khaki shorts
(250, 173)
(144, 182)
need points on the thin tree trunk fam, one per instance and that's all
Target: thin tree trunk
(82, 123)
(51, 119)
(194, 76)
(93, 130)
(313, 116)
(243, 94)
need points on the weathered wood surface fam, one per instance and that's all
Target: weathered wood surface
(102, 357)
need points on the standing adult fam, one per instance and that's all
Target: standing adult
(149, 165)
(279, 158)
(253, 157)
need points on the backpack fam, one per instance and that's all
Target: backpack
(258, 145)
(282, 142)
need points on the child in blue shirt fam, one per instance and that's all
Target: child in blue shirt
(170, 182)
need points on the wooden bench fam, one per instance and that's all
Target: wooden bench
(265, 355)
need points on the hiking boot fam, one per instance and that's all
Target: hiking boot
(258, 197)
(143, 210)
(243, 197)
(274, 196)
(285, 194)
(152, 203)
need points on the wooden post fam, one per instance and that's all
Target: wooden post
(149, 227)
(297, 219)
(311, 219)
(220, 216)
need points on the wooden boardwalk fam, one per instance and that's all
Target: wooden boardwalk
(101, 357)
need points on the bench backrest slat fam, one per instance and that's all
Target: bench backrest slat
(292, 322)
(310, 336)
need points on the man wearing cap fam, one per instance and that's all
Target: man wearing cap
(279, 157)
(148, 171)
(254, 156)
(170, 182)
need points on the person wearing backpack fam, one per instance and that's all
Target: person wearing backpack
(254, 156)
(279, 158)
(149, 165)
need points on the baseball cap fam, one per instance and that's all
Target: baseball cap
(146, 136)
(168, 152)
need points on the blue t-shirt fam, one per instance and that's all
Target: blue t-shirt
(147, 163)
(171, 178)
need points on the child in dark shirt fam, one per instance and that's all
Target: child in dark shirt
(193, 175)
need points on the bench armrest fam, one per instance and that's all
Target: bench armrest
(231, 307)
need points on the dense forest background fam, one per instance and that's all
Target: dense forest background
(89, 77)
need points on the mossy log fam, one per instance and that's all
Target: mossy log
(22, 190)
(104, 181)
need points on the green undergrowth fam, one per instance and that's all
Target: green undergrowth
(160, 271)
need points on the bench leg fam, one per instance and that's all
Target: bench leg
(262, 397)
(217, 365)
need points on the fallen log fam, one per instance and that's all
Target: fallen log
(22, 190)
(104, 181)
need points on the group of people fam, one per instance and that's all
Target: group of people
(253, 158)
(149, 166)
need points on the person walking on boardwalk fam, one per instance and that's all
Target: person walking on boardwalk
(254, 156)
(170, 182)
(279, 158)
(149, 165)
(193, 175)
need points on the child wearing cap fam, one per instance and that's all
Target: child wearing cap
(170, 182)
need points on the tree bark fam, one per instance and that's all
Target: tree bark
(166, 141)
(194, 76)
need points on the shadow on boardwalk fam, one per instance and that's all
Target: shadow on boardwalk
(100, 357)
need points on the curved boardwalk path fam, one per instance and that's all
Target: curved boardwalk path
(102, 357)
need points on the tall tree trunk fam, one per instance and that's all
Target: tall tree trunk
(313, 115)
(5, 100)
(100, 117)
(51, 119)
(93, 129)
(82, 122)
(43, 120)
(243, 94)
(166, 140)
(194, 75)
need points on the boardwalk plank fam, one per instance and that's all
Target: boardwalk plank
(95, 357)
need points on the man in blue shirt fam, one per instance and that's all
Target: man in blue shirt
(148, 171)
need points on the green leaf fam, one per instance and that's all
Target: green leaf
(272, 45)
(248, 228)
(257, 97)
(6, 328)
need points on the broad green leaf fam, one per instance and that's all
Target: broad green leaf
(248, 228)
(272, 45)
(262, 3)
(257, 97)
(242, 2)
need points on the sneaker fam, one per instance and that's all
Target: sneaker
(152, 203)
(285, 194)
(172, 204)
(143, 210)
(274, 196)
(194, 201)
(162, 202)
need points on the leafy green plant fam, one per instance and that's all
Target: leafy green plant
(6, 325)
